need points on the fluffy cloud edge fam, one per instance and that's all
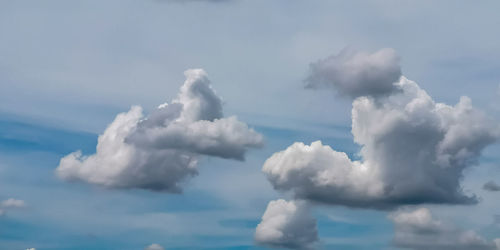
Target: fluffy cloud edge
(287, 224)
(414, 151)
(356, 73)
(160, 151)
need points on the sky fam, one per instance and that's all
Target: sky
(249, 124)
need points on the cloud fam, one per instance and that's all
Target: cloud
(418, 230)
(491, 186)
(161, 151)
(357, 74)
(414, 151)
(10, 204)
(287, 224)
(13, 203)
(496, 219)
(154, 247)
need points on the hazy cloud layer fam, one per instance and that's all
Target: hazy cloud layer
(491, 186)
(418, 230)
(357, 74)
(160, 151)
(414, 151)
(287, 224)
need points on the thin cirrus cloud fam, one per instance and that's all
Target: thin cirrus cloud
(161, 151)
(287, 224)
(414, 150)
(418, 230)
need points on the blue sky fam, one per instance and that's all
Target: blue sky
(68, 68)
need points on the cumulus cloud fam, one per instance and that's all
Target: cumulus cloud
(154, 247)
(357, 74)
(418, 230)
(160, 151)
(287, 224)
(491, 186)
(414, 151)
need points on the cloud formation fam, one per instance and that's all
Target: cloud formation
(414, 151)
(491, 186)
(160, 151)
(418, 230)
(356, 74)
(13, 203)
(154, 247)
(287, 224)
(9, 204)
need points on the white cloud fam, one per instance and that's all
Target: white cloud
(287, 224)
(160, 151)
(10, 204)
(414, 151)
(154, 247)
(357, 74)
(418, 230)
